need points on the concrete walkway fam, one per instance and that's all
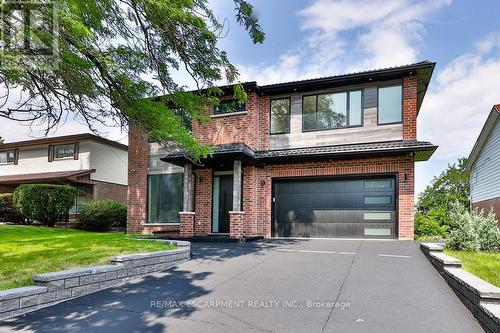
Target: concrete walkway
(273, 286)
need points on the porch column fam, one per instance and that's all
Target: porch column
(188, 188)
(187, 216)
(237, 216)
(237, 176)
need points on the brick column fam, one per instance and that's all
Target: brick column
(137, 179)
(187, 224)
(410, 107)
(237, 224)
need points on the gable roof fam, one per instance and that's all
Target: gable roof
(483, 136)
(62, 140)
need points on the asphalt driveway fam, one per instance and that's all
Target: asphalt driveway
(273, 286)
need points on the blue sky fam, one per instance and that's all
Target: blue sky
(306, 39)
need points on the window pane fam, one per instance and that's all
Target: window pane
(355, 108)
(64, 151)
(3, 158)
(332, 110)
(309, 112)
(377, 232)
(389, 104)
(228, 106)
(383, 183)
(377, 216)
(381, 200)
(280, 116)
(165, 197)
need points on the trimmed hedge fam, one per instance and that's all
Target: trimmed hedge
(101, 215)
(45, 203)
(9, 213)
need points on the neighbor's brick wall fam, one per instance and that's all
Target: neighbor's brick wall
(104, 190)
(7, 189)
(486, 206)
(410, 107)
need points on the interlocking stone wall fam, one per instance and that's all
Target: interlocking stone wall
(479, 296)
(55, 287)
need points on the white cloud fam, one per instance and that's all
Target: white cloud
(457, 105)
(347, 36)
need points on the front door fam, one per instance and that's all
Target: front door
(222, 203)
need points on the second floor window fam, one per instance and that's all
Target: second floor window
(280, 116)
(64, 151)
(186, 118)
(229, 106)
(390, 104)
(8, 157)
(332, 110)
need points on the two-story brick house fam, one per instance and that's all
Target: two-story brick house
(96, 166)
(327, 157)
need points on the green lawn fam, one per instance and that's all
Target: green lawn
(27, 250)
(485, 265)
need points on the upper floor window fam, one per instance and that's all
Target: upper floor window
(280, 116)
(186, 118)
(8, 157)
(64, 151)
(229, 106)
(390, 104)
(332, 110)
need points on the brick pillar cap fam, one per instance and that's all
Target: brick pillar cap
(236, 212)
(187, 213)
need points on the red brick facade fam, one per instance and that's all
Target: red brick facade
(105, 190)
(252, 128)
(487, 205)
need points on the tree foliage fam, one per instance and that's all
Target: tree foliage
(452, 185)
(116, 54)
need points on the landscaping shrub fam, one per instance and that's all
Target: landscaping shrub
(9, 213)
(101, 215)
(44, 203)
(472, 231)
(427, 226)
(488, 232)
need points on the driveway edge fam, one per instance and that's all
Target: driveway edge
(56, 287)
(479, 296)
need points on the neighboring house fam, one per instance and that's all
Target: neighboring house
(96, 166)
(484, 166)
(327, 157)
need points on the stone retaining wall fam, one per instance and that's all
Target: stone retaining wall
(55, 287)
(479, 296)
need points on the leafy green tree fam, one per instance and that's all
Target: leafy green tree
(436, 201)
(116, 54)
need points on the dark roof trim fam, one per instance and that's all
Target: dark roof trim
(483, 136)
(57, 176)
(421, 150)
(62, 140)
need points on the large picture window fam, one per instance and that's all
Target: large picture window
(390, 104)
(333, 110)
(280, 116)
(165, 197)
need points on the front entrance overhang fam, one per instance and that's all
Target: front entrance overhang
(225, 154)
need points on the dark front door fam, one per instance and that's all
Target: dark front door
(353, 207)
(224, 204)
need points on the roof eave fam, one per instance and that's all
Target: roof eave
(483, 136)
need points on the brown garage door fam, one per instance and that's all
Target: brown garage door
(355, 207)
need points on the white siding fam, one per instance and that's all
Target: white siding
(485, 174)
(111, 163)
(35, 160)
(157, 166)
